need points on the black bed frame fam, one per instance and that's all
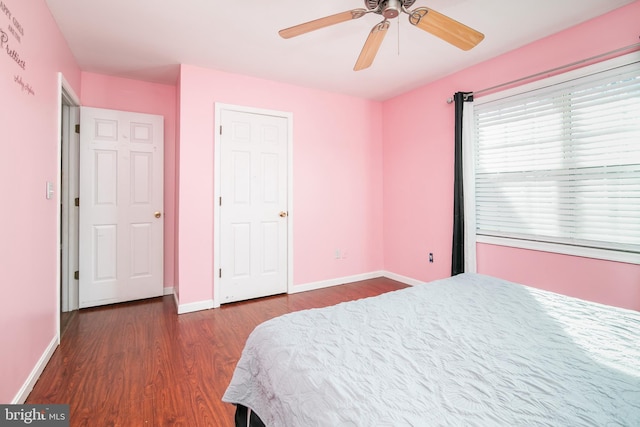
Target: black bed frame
(241, 418)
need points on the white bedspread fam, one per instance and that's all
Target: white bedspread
(466, 351)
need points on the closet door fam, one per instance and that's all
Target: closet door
(253, 205)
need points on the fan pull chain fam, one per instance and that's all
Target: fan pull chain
(398, 37)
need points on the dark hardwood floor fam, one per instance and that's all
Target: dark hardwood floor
(140, 364)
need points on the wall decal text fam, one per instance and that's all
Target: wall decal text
(14, 33)
(13, 54)
(25, 86)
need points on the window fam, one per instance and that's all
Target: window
(558, 165)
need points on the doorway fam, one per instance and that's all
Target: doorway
(68, 183)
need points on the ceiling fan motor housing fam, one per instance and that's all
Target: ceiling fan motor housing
(388, 8)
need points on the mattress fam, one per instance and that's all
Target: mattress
(470, 350)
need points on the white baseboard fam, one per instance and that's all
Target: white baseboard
(26, 388)
(209, 304)
(334, 282)
(194, 306)
(168, 291)
(404, 279)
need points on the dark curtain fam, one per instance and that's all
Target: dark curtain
(457, 256)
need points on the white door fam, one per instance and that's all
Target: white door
(121, 201)
(253, 205)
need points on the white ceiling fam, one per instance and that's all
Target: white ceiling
(147, 39)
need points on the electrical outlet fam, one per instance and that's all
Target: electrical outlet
(337, 254)
(431, 257)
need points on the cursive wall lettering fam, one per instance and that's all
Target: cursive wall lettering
(4, 9)
(16, 23)
(13, 54)
(14, 33)
(25, 86)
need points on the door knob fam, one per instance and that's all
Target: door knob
(157, 214)
(283, 214)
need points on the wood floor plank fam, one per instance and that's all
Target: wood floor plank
(140, 364)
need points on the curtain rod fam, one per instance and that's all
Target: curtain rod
(631, 47)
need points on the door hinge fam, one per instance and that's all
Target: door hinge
(77, 201)
(220, 273)
(77, 128)
(76, 275)
(220, 129)
(220, 201)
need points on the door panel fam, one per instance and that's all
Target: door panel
(270, 249)
(105, 178)
(140, 250)
(121, 201)
(253, 162)
(104, 255)
(241, 244)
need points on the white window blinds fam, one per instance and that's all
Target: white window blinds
(561, 164)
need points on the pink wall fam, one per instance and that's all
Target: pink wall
(418, 172)
(606, 282)
(28, 126)
(141, 97)
(337, 168)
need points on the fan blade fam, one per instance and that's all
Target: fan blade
(321, 23)
(445, 28)
(371, 46)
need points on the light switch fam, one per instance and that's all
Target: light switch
(49, 190)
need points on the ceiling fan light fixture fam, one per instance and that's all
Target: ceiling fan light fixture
(391, 9)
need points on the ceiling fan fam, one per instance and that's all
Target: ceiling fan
(424, 18)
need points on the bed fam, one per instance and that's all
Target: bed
(470, 350)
